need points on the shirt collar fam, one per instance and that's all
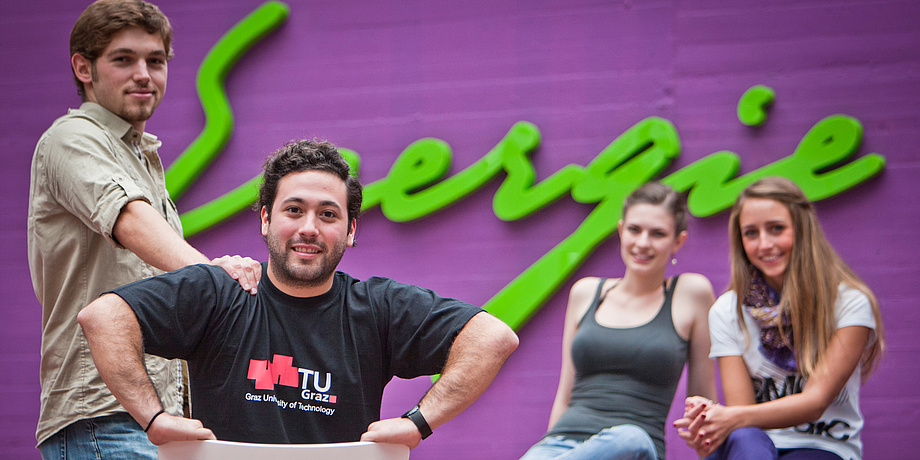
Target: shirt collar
(116, 124)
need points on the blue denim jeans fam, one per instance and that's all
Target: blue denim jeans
(115, 437)
(621, 442)
(753, 444)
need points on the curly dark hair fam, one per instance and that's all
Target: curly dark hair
(308, 155)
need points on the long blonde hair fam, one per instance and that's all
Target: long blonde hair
(812, 278)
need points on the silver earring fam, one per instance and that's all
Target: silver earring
(673, 260)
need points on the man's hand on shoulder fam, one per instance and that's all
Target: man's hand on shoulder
(393, 431)
(166, 428)
(243, 269)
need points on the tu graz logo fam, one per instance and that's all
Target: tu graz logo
(281, 371)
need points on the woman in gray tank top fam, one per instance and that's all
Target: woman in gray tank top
(626, 340)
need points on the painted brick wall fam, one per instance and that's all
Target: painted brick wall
(375, 76)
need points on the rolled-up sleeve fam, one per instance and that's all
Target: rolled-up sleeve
(86, 178)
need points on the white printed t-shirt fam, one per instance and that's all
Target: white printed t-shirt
(839, 427)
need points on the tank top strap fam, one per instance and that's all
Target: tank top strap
(669, 290)
(598, 298)
(665, 311)
(600, 289)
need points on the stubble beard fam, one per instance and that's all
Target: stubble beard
(301, 274)
(142, 113)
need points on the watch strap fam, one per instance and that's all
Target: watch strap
(416, 417)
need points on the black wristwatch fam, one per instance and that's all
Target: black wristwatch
(416, 417)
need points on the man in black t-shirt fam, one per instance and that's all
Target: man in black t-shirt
(307, 358)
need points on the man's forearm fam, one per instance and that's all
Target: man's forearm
(115, 341)
(476, 356)
(143, 231)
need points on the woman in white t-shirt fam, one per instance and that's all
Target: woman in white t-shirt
(795, 336)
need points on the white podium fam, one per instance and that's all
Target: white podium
(226, 450)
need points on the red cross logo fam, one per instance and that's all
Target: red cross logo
(279, 370)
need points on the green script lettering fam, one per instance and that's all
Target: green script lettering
(416, 186)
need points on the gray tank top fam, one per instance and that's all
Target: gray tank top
(624, 375)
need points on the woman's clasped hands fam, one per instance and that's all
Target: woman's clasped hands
(705, 424)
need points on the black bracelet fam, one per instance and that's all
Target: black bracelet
(150, 423)
(416, 417)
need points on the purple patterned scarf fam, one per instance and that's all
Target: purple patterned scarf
(761, 302)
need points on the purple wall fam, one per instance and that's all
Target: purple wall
(375, 76)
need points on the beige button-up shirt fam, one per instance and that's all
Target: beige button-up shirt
(86, 167)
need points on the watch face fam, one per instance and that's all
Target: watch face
(416, 417)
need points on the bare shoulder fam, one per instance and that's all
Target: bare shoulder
(695, 290)
(585, 285)
(581, 295)
(694, 283)
(692, 299)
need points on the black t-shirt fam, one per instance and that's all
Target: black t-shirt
(272, 368)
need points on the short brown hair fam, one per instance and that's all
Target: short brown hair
(95, 28)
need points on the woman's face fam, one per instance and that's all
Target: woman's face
(768, 237)
(647, 238)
